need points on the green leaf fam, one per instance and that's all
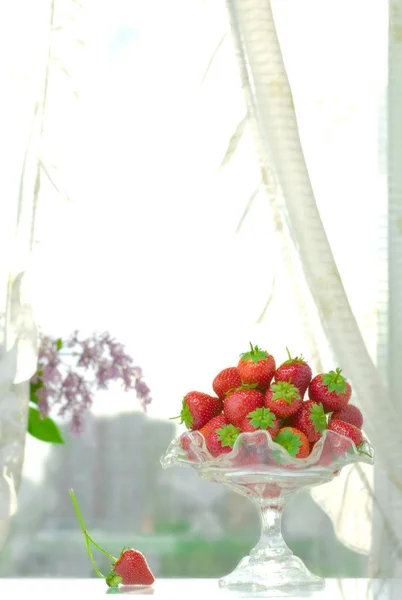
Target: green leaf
(335, 382)
(34, 387)
(289, 440)
(243, 386)
(284, 390)
(318, 417)
(261, 418)
(228, 435)
(185, 415)
(59, 344)
(297, 359)
(44, 429)
(255, 354)
(277, 456)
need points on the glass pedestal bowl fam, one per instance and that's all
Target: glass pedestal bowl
(263, 471)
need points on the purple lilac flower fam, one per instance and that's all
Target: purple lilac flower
(71, 371)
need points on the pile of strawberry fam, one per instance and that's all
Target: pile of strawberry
(256, 395)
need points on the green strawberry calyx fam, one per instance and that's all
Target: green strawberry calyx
(261, 418)
(185, 415)
(228, 435)
(255, 354)
(243, 386)
(289, 440)
(297, 359)
(318, 417)
(113, 580)
(277, 456)
(335, 382)
(283, 390)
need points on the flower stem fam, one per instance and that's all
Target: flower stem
(113, 558)
(91, 558)
(88, 539)
(365, 453)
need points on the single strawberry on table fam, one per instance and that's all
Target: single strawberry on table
(130, 568)
(283, 399)
(226, 380)
(199, 408)
(295, 371)
(350, 414)
(256, 366)
(294, 441)
(311, 420)
(239, 403)
(339, 445)
(331, 389)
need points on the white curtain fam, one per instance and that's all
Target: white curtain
(151, 156)
(271, 112)
(19, 86)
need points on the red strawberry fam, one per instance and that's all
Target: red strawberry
(261, 418)
(239, 403)
(221, 440)
(215, 423)
(331, 389)
(294, 441)
(198, 409)
(349, 431)
(256, 366)
(311, 420)
(350, 414)
(283, 399)
(131, 568)
(296, 371)
(226, 380)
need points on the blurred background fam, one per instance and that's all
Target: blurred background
(151, 224)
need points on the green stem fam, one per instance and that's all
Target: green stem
(88, 538)
(338, 375)
(113, 558)
(91, 558)
(252, 349)
(365, 453)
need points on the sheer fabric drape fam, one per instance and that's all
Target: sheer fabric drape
(272, 115)
(21, 46)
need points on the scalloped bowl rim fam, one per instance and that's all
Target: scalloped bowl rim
(205, 458)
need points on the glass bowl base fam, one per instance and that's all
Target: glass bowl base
(279, 576)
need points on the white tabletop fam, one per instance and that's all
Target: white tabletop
(186, 589)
